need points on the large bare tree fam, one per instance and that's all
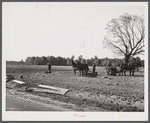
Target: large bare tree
(126, 35)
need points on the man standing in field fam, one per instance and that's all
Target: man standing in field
(94, 66)
(49, 67)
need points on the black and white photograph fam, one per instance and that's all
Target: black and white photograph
(75, 61)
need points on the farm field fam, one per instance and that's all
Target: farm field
(101, 93)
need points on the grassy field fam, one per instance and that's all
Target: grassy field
(117, 93)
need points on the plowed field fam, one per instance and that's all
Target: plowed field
(101, 93)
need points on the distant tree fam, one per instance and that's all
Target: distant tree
(138, 59)
(132, 60)
(21, 61)
(126, 35)
(44, 60)
(60, 61)
(15, 62)
(68, 61)
(36, 61)
(142, 63)
(30, 60)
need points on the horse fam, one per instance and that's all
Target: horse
(82, 67)
(79, 66)
(131, 67)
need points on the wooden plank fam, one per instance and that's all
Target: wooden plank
(18, 81)
(48, 91)
(53, 88)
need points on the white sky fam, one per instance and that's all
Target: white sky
(59, 29)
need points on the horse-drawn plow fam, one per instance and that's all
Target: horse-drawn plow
(112, 71)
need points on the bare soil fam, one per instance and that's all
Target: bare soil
(101, 93)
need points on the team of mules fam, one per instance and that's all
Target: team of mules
(131, 67)
(127, 67)
(82, 68)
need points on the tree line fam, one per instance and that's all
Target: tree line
(67, 61)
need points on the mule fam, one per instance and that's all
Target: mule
(82, 68)
(130, 67)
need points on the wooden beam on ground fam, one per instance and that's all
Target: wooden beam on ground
(48, 91)
(18, 81)
(54, 89)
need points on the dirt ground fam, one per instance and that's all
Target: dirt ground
(101, 93)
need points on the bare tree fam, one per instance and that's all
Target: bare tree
(126, 35)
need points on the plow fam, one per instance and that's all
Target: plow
(90, 74)
(112, 71)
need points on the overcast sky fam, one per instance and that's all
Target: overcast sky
(59, 29)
